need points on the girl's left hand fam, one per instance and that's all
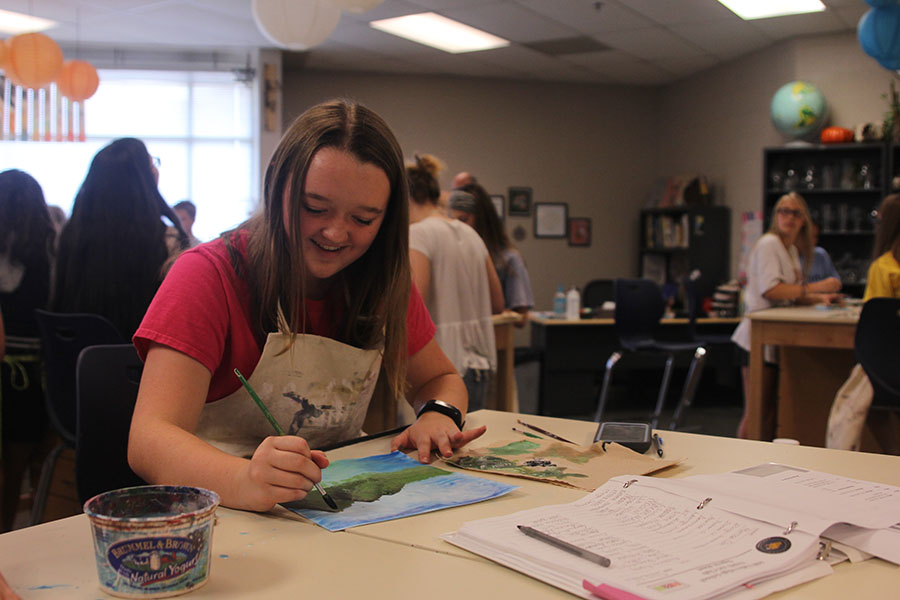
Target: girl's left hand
(434, 431)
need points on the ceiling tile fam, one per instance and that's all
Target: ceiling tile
(510, 21)
(669, 12)
(584, 17)
(650, 43)
(621, 67)
(725, 39)
(781, 28)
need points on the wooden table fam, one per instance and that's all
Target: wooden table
(816, 355)
(281, 555)
(504, 397)
(574, 355)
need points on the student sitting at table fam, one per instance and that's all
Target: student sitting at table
(775, 278)
(305, 298)
(822, 267)
(850, 410)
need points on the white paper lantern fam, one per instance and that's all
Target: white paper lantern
(296, 24)
(356, 6)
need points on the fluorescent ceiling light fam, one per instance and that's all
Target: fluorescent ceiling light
(15, 23)
(763, 9)
(439, 32)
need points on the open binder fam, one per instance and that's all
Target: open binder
(676, 539)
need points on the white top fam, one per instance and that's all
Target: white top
(770, 264)
(459, 299)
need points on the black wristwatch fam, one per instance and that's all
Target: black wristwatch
(445, 409)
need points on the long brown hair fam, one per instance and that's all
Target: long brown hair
(488, 224)
(377, 285)
(887, 231)
(804, 241)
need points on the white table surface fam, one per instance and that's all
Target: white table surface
(281, 555)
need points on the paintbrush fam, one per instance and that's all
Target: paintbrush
(328, 499)
(544, 431)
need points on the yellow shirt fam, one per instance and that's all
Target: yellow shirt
(884, 278)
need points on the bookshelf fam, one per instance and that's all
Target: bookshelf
(677, 240)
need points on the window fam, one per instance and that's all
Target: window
(199, 124)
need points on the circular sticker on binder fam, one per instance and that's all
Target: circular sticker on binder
(774, 545)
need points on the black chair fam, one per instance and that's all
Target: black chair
(878, 351)
(63, 337)
(596, 292)
(639, 307)
(107, 381)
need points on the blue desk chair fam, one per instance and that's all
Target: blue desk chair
(63, 337)
(108, 377)
(639, 307)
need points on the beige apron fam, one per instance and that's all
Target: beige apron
(319, 389)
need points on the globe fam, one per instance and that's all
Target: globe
(799, 109)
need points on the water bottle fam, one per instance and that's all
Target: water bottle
(559, 302)
(573, 304)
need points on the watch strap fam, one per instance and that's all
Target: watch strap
(445, 409)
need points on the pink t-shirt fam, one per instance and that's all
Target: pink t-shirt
(202, 309)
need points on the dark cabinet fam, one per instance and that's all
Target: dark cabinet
(842, 184)
(677, 240)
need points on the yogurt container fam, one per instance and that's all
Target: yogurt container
(152, 541)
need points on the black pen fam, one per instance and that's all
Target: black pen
(549, 539)
(659, 444)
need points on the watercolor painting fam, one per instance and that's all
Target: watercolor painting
(584, 467)
(390, 486)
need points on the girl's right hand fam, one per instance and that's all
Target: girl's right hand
(282, 469)
(829, 284)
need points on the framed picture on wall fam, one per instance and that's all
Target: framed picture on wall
(579, 231)
(497, 199)
(519, 201)
(550, 219)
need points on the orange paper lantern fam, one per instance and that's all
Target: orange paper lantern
(35, 58)
(77, 80)
(4, 54)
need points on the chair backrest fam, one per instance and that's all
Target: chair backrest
(63, 336)
(108, 378)
(877, 347)
(639, 307)
(596, 292)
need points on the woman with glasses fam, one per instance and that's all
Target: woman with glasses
(775, 277)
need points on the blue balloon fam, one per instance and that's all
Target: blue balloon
(879, 34)
(877, 3)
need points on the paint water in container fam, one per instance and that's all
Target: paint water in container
(152, 541)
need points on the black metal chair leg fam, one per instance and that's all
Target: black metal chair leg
(601, 401)
(663, 390)
(43, 488)
(690, 386)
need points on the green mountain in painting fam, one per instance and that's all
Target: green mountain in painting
(367, 487)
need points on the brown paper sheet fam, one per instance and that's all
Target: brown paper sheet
(583, 467)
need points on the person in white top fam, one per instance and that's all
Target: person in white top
(453, 271)
(776, 277)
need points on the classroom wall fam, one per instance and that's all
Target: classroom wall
(718, 122)
(589, 146)
(600, 148)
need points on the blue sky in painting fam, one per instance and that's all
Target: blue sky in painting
(341, 470)
(436, 493)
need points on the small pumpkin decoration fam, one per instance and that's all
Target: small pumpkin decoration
(836, 135)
